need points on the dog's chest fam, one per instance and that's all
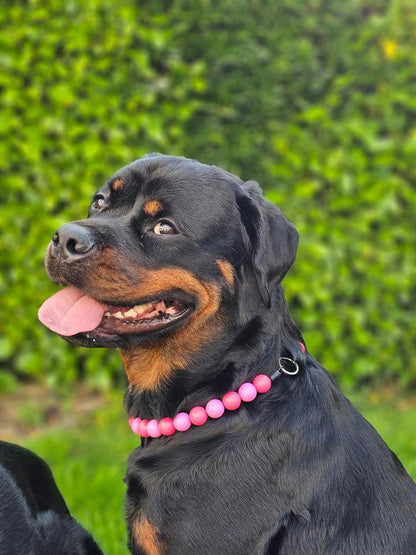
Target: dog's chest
(200, 501)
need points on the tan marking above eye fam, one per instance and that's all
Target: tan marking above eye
(153, 207)
(117, 184)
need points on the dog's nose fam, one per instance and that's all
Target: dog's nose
(73, 241)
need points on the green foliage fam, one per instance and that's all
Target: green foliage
(87, 88)
(314, 99)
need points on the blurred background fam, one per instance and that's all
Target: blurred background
(315, 100)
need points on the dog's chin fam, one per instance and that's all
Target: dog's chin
(128, 339)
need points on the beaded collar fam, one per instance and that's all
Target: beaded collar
(215, 408)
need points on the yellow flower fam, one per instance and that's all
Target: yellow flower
(389, 47)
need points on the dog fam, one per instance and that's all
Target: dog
(34, 518)
(248, 446)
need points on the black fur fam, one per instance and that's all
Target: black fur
(298, 470)
(34, 519)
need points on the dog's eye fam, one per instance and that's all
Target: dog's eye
(164, 228)
(98, 203)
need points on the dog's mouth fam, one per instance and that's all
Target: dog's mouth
(70, 312)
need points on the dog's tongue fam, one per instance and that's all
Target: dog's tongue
(69, 312)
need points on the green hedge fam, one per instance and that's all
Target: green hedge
(88, 87)
(314, 99)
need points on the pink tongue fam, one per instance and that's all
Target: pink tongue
(69, 312)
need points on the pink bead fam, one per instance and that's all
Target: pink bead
(247, 392)
(302, 347)
(198, 416)
(143, 428)
(135, 425)
(182, 422)
(131, 418)
(231, 400)
(215, 408)
(166, 426)
(153, 428)
(262, 383)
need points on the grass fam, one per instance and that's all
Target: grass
(395, 420)
(89, 463)
(89, 460)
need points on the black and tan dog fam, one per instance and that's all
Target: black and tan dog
(179, 264)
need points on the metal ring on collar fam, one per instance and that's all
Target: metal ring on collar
(292, 362)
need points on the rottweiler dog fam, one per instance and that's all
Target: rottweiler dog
(34, 518)
(248, 446)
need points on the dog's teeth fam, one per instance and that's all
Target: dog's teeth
(139, 308)
(132, 313)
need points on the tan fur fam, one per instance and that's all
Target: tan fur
(153, 207)
(227, 271)
(116, 281)
(145, 536)
(117, 184)
(147, 367)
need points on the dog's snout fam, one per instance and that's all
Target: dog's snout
(73, 241)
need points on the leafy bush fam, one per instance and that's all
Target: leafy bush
(89, 87)
(315, 100)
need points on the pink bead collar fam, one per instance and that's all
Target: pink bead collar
(215, 408)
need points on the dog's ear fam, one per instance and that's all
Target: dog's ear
(269, 237)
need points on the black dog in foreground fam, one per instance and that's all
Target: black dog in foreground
(34, 519)
(179, 265)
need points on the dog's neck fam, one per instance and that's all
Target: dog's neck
(236, 355)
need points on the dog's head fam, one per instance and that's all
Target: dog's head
(171, 252)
